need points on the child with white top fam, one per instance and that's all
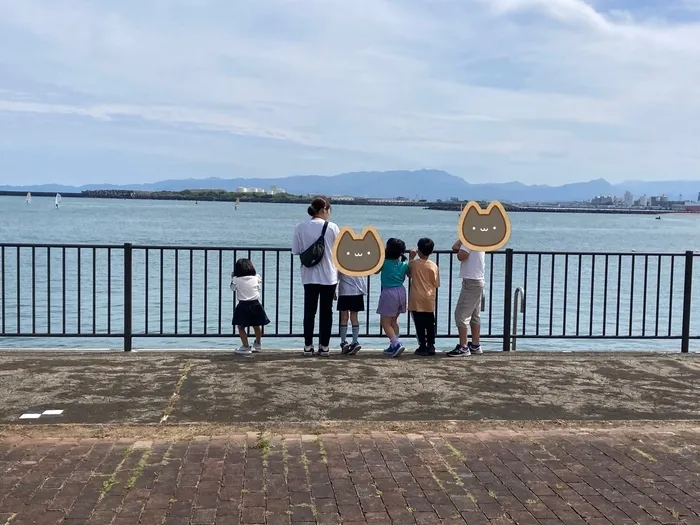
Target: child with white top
(351, 300)
(248, 312)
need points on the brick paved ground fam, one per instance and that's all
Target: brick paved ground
(559, 477)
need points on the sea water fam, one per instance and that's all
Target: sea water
(180, 223)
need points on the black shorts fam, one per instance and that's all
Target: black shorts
(351, 303)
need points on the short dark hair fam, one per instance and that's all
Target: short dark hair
(426, 246)
(319, 203)
(244, 268)
(395, 249)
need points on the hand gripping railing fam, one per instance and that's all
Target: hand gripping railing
(519, 292)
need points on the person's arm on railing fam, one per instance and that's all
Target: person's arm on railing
(457, 245)
(234, 282)
(411, 256)
(463, 253)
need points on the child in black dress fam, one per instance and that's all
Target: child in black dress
(248, 312)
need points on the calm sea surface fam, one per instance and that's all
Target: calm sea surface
(271, 225)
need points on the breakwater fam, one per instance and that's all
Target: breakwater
(514, 208)
(285, 198)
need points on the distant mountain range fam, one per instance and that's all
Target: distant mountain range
(423, 184)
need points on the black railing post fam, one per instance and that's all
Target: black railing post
(507, 304)
(687, 301)
(127, 296)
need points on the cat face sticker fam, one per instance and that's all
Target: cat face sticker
(484, 230)
(358, 255)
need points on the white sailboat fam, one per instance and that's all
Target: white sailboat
(238, 201)
(28, 198)
(58, 201)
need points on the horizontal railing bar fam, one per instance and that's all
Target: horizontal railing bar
(210, 248)
(285, 335)
(283, 250)
(589, 253)
(59, 245)
(82, 335)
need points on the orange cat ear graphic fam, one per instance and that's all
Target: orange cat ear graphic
(484, 230)
(358, 255)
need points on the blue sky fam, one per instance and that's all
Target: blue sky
(541, 91)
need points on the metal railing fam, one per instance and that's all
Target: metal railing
(134, 291)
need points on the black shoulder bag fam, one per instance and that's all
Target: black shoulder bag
(314, 253)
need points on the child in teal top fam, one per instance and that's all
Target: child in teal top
(392, 300)
(393, 272)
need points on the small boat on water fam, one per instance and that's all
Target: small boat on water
(28, 198)
(58, 200)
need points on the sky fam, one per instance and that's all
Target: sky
(539, 91)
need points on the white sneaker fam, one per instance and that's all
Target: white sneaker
(324, 351)
(476, 350)
(244, 350)
(308, 351)
(257, 346)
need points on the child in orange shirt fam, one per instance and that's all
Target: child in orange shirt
(425, 280)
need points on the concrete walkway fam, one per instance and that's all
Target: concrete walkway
(284, 389)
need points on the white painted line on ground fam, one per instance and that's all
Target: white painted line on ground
(52, 412)
(30, 416)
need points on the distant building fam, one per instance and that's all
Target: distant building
(642, 201)
(603, 200)
(659, 200)
(241, 189)
(342, 198)
(628, 199)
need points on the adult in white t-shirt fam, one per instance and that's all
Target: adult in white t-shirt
(472, 270)
(320, 280)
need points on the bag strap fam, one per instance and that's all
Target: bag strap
(325, 227)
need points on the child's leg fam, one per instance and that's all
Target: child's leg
(244, 336)
(430, 328)
(388, 327)
(395, 325)
(419, 322)
(258, 333)
(344, 327)
(355, 326)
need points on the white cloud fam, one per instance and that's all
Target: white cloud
(499, 86)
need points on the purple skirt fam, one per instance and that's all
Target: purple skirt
(392, 301)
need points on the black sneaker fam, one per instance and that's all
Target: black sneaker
(354, 348)
(425, 351)
(459, 351)
(421, 350)
(323, 351)
(345, 347)
(474, 350)
(431, 350)
(308, 351)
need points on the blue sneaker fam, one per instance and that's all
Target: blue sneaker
(397, 350)
(389, 351)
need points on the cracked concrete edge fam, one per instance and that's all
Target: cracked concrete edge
(186, 431)
(170, 407)
(204, 353)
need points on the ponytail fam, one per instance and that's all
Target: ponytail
(317, 205)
